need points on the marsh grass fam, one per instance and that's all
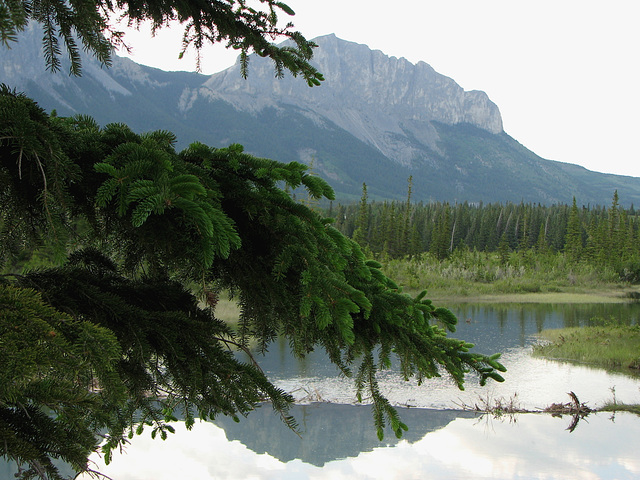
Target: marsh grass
(610, 346)
(472, 275)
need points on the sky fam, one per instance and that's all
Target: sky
(565, 74)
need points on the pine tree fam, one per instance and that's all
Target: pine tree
(440, 245)
(573, 238)
(389, 229)
(523, 242)
(630, 240)
(592, 247)
(541, 243)
(407, 231)
(240, 26)
(115, 333)
(617, 230)
(360, 234)
(503, 249)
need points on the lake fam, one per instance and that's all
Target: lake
(510, 329)
(444, 441)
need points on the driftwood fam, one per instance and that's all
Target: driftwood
(500, 407)
(574, 408)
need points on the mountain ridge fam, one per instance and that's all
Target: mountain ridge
(375, 120)
(390, 97)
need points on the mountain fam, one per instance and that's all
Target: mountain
(375, 119)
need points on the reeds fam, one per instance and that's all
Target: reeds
(472, 273)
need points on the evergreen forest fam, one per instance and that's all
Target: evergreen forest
(604, 237)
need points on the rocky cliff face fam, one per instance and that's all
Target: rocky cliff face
(386, 102)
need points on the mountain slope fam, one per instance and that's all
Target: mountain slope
(376, 119)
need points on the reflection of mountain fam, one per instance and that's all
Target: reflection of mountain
(329, 431)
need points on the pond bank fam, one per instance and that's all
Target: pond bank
(606, 295)
(614, 347)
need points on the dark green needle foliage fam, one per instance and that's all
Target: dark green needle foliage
(119, 332)
(69, 26)
(116, 331)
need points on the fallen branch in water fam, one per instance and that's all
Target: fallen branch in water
(574, 408)
(499, 407)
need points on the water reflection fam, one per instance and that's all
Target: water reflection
(510, 329)
(329, 432)
(496, 327)
(492, 328)
(531, 447)
(339, 439)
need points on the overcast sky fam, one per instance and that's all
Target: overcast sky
(564, 73)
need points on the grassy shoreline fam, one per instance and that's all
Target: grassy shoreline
(601, 295)
(476, 277)
(613, 347)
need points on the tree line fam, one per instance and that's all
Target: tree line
(600, 235)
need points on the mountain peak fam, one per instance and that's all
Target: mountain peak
(376, 119)
(375, 97)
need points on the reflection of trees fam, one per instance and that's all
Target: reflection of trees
(502, 315)
(540, 316)
(495, 327)
(328, 431)
(522, 317)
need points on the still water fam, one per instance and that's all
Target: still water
(444, 442)
(532, 383)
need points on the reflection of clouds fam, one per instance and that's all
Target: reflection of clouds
(631, 465)
(451, 450)
(536, 446)
(505, 451)
(533, 447)
(202, 453)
